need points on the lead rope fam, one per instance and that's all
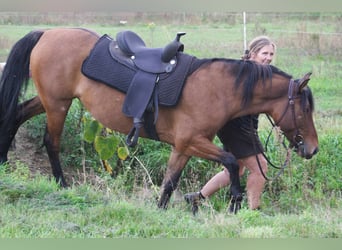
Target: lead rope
(284, 165)
(288, 150)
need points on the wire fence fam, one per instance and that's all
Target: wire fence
(297, 33)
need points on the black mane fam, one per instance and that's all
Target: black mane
(249, 73)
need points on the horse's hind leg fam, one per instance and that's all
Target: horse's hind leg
(28, 109)
(55, 122)
(176, 164)
(25, 111)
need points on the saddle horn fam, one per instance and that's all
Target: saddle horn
(172, 48)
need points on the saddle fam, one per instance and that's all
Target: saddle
(152, 60)
(149, 63)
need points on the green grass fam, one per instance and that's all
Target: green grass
(305, 202)
(37, 208)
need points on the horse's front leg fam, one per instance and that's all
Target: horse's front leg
(204, 148)
(229, 161)
(176, 164)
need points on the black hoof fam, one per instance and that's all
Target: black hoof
(235, 204)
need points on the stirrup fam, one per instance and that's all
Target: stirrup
(133, 135)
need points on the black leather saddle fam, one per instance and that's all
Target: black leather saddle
(149, 63)
(152, 60)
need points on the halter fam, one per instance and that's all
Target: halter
(297, 138)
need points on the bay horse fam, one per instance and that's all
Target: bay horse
(216, 92)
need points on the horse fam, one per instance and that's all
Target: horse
(216, 92)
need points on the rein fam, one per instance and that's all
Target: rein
(298, 138)
(287, 159)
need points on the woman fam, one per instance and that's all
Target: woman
(237, 137)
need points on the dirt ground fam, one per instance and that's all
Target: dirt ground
(34, 156)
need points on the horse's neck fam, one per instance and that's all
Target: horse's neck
(268, 98)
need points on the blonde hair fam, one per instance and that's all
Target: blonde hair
(256, 45)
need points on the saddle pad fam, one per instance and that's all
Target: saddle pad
(101, 67)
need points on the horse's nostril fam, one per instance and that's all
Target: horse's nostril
(315, 151)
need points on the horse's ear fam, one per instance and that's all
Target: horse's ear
(304, 81)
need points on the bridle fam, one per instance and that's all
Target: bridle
(298, 139)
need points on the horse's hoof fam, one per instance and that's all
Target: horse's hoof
(62, 183)
(194, 199)
(3, 160)
(163, 202)
(235, 204)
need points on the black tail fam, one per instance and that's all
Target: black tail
(15, 77)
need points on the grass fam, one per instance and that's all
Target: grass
(37, 208)
(305, 202)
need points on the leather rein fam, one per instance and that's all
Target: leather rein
(297, 138)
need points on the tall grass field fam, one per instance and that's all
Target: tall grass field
(305, 201)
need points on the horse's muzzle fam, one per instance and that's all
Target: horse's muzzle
(303, 151)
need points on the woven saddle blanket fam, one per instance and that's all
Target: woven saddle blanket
(101, 66)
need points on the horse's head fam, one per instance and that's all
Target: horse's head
(297, 122)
